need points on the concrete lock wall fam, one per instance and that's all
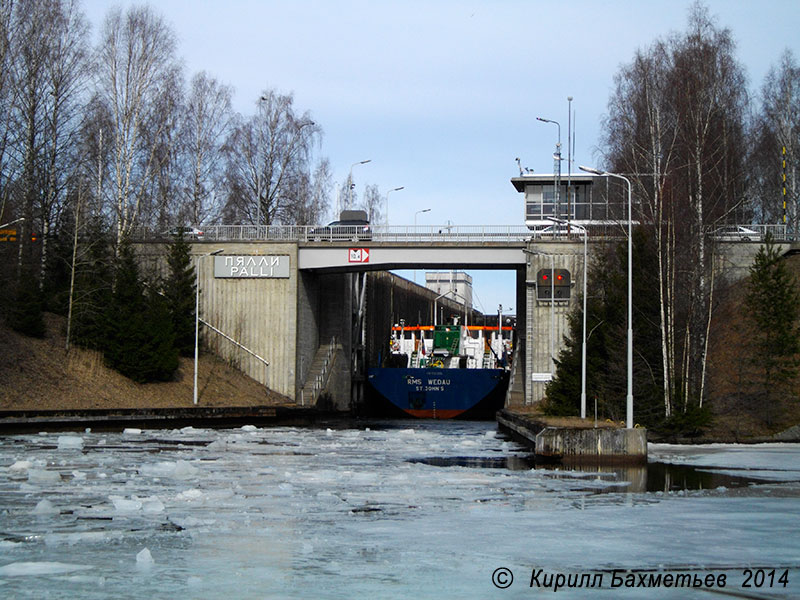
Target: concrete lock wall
(308, 339)
(288, 320)
(261, 313)
(601, 445)
(334, 305)
(546, 321)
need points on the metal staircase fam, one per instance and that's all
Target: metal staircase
(318, 374)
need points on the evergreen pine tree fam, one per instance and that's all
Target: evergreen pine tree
(140, 342)
(160, 358)
(26, 314)
(563, 391)
(773, 305)
(606, 358)
(92, 295)
(180, 294)
(57, 269)
(605, 329)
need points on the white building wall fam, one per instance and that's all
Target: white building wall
(457, 281)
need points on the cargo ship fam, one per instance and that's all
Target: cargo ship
(444, 371)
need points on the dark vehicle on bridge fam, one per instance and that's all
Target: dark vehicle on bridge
(351, 226)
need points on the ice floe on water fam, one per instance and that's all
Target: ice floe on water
(45, 507)
(23, 569)
(180, 469)
(388, 510)
(150, 505)
(144, 560)
(776, 461)
(70, 442)
(43, 476)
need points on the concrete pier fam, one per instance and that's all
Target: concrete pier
(621, 446)
(587, 445)
(26, 421)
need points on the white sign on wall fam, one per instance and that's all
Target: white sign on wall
(358, 255)
(244, 267)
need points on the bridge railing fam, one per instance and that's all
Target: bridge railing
(378, 233)
(450, 233)
(754, 232)
(438, 233)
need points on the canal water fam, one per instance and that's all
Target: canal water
(384, 510)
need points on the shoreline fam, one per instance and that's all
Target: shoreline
(20, 421)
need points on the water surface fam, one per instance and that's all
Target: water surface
(379, 510)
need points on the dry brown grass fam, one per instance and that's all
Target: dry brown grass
(39, 374)
(533, 413)
(735, 397)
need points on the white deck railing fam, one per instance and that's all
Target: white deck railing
(411, 234)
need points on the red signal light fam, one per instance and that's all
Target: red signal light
(559, 277)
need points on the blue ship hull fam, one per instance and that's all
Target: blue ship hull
(441, 393)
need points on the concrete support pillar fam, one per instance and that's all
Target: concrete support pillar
(546, 320)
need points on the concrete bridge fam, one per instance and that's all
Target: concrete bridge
(303, 305)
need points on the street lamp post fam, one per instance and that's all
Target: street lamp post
(629, 412)
(12, 222)
(556, 165)
(424, 210)
(397, 189)
(197, 317)
(350, 184)
(570, 207)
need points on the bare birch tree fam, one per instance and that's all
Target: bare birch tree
(32, 24)
(67, 73)
(708, 94)
(676, 127)
(160, 205)
(266, 155)
(6, 10)
(311, 193)
(777, 145)
(206, 123)
(641, 131)
(136, 60)
(372, 202)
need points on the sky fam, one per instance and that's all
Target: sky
(442, 96)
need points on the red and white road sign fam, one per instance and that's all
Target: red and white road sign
(358, 255)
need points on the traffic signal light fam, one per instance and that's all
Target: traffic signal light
(553, 284)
